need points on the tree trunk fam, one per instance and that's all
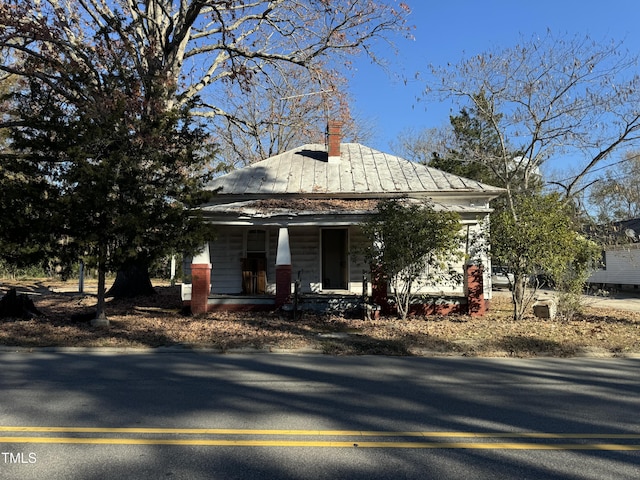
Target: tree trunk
(517, 294)
(101, 319)
(402, 294)
(132, 281)
(522, 297)
(17, 306)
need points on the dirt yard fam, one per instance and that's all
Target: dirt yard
(158, 321)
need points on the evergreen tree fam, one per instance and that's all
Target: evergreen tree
(474, 151)
(479, 152)
(26, 196)
(128, 170)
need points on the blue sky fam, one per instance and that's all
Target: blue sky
(448, 30)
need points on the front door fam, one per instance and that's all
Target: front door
(334, 258)
(254, 265)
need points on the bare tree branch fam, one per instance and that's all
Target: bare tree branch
(195, 43)
(551, 97)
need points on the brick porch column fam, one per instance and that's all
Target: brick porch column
(283, 268)
(380, 289)
(200, 281)
(476, 303)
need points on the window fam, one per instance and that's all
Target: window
(256, 242)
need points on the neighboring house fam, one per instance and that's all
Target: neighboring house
(292, 222)
(620, 266)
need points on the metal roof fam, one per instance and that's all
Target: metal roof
(360, 171)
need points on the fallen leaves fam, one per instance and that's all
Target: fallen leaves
(158, 321)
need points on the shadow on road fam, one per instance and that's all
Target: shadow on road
(192, 390)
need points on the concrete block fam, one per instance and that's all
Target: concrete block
(545, 309)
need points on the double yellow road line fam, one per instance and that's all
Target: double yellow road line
(220, 437)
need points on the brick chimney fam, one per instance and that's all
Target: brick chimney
(334, 134)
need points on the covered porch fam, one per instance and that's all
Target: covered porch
(312, 267)
(262, 266)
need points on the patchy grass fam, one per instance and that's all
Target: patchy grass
(157, 321)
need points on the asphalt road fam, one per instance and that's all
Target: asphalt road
(268, 416)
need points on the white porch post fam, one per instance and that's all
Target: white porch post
(173, 270)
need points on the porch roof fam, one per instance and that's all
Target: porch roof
(361, 170)
(315, 207)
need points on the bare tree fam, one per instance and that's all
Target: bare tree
(291, 110)
(616, 196)
(185, 46)
(422, 146)
(181, 50)
(549, 97)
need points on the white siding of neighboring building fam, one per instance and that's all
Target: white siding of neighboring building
(622, 267)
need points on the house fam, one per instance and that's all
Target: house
(291, 223)
(620, 265)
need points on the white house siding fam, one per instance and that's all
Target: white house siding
(357, 264)
(478, 250)
(304, 243)
(226, 253)
(305, 258)
(425, 287)
(305, 254)
(622, 267)
(227, 250)
(474, 251)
